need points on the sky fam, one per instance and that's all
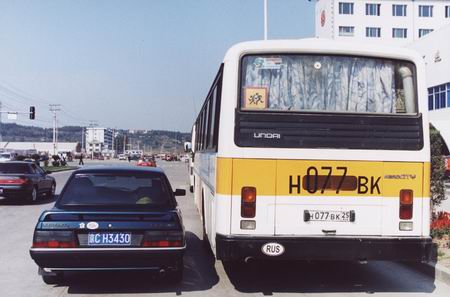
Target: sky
(127, 64)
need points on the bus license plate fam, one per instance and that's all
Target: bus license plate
(116, 238)
(329, 216)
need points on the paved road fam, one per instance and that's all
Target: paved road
(203, 275)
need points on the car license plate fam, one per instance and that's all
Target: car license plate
(116, 238)
(328, 216)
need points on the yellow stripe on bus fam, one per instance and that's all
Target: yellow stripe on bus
(321, 177)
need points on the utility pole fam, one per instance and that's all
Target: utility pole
(124, 142)
(265, 20)
(54, 108)
(82, 139)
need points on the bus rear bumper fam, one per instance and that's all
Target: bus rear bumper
(237, 248)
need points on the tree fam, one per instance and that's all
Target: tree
(437, 167)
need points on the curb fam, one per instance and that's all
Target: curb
(442, 273)
(434, 270)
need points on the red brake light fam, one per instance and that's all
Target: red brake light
(248, 202)
(13, 180)
(406, 197)
(162, 243)
(163, 239)
(406, 204)
(248, 194)
(54, 239)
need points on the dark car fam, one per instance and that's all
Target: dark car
(25, 180)
(112, 218)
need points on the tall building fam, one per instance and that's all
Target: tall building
(435, 49)
(423, 25)
(98, 139)
(397, 22)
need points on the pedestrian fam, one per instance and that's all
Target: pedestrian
(81, 160)
(129, 159)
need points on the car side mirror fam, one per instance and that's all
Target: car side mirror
(180, 192)
(48, 172)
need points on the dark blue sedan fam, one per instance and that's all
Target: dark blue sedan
(25, 181)
(112, 218)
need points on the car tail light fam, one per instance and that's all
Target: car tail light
(406, 204)
(54, 239)
(13, 180)
(248, 202)
(163, 239)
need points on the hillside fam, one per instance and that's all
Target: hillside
(150, 140)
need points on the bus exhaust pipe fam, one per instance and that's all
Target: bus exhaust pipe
(249, 260)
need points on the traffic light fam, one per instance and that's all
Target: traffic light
(32, 112)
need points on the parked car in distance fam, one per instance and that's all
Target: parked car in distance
(25, 180)
(122, 157)
(112, 218)
(146, 162)
(5, 156)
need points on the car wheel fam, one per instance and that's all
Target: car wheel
(33, 195)
(52, 278)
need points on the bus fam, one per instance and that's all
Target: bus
(315, 150)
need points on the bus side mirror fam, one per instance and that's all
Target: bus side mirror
(180, 192)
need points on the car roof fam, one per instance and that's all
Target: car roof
(119, 169)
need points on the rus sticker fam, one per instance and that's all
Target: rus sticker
(255, 98)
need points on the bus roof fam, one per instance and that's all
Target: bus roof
(318, 45)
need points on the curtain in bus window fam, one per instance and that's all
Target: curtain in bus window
(324, 83)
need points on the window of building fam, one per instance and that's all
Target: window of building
(447, 11)
(345, 8)
(398, 10)
(423, 32)
(399, 33)
(426, 11)
(373, 32)
(439, 97)
(346, 31)
(373, 9)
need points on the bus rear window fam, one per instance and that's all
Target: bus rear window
(317, 83)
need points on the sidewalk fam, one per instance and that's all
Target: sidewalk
(445, 205)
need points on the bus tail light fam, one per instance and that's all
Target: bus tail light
(406, 204)
(248, 202)
(54, 239)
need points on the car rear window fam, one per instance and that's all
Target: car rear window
(17, 168)
(116, 190)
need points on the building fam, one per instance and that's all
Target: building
(37, 147)
(397, 22)
(435, 48)
(99, 140)
(423, 25)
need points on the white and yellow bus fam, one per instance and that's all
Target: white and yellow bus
(314, 149)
